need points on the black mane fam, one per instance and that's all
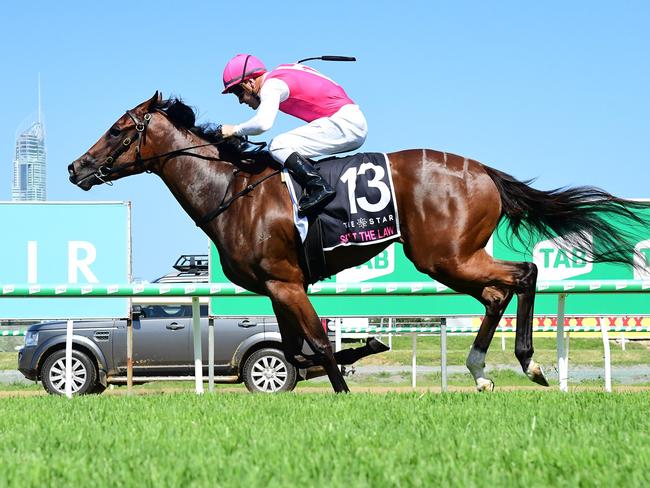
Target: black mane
(184, 117)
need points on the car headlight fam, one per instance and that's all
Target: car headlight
(31, 338)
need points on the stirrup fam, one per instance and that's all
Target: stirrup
(306, 207)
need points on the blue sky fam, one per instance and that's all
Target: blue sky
(553, 90)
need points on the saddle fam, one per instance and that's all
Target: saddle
(362, 213)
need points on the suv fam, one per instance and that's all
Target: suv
(246, 350)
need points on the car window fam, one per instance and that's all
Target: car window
(165, 311)
(170, 311)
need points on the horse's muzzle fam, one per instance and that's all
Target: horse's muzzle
(83, 181)
(71, 172)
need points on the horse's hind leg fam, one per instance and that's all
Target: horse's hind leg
(520, 278)
(503, 279)
(496, 300)
(291, 302)
(527, 282)
(493, 283)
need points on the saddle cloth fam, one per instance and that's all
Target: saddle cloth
(364, 210)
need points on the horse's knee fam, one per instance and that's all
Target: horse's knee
(495, 300)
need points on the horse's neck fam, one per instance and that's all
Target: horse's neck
(198, 184)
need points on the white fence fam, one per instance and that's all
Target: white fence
(561, 289)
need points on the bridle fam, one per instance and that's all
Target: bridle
(140, 127)
(140, 134)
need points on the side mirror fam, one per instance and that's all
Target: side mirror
(137, 312)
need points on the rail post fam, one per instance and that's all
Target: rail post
(604, 330)
(198, 354)
(211, 354)
(129, 355)
(562, 359)
(68, 359)
(414, 341)
(443, 353)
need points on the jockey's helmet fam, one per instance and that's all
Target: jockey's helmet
(241, 68)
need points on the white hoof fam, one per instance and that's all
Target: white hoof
(484, 384)
(535, 374)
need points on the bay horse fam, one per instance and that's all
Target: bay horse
(449, 206)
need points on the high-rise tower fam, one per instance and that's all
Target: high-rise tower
(29, 161)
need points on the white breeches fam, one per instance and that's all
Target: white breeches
(346, 130)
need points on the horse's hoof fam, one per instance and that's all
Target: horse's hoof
(484, 384)
(535, 373)
(376, 346)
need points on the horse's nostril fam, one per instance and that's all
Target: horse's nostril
(71, 168)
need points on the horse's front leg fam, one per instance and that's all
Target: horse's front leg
(291, 303)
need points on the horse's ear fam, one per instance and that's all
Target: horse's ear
(153, 101)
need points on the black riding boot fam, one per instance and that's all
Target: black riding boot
(316, 191)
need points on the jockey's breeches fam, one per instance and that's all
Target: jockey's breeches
(343, 131)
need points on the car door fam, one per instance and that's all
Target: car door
(229, 334)
(161, 341)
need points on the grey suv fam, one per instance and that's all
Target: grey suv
(246, 349)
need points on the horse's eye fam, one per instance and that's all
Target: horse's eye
(114, 131)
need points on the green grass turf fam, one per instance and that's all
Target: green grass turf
(583, 351)
(529, 439)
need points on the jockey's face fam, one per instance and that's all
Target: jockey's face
(246, 92)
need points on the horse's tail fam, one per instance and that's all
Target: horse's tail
(577, 214)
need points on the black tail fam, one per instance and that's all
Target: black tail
(575, 214)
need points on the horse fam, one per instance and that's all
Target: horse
(449, 206)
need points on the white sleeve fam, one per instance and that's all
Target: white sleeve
(272, 93)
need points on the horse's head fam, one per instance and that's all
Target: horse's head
(118, 152)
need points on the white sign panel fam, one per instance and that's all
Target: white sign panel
(65, 243)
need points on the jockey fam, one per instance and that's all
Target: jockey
(335, 123)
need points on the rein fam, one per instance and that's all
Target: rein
(225, 204)
(107, 169)
(140, 127)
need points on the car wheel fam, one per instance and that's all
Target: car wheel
(84, 374)
(268, 371)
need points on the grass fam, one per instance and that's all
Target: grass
(505, 439)
(582, 351)
(8, 360)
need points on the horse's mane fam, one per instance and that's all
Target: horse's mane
(184, 117)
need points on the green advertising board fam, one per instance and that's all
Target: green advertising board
(392, 266)
(554, 264)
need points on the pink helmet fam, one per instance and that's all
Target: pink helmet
(241, 68)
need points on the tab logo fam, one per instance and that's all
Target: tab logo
(642, 260)
(556, 260)
(381, 265)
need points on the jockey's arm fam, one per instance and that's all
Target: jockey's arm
(272, 93)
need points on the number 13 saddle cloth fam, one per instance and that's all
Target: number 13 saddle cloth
(364, 210)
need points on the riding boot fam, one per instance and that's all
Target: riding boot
(316, 191)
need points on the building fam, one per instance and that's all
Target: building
(29, 181)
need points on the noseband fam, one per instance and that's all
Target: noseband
(140, 127)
